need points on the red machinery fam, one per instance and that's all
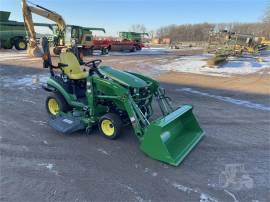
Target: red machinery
(106, 45)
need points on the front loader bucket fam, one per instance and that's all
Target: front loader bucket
(171, 138)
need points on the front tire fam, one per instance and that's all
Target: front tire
(56, 103)
(110, 125)
(20, 44)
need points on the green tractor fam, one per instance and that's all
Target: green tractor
(86, 94)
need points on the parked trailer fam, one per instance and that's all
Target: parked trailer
(128, 41)
(106, 45)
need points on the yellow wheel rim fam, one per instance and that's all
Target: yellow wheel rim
(22, 45)
(53, 106)
(107, 127)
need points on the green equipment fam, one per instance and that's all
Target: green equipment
(225, 44)
(84, 94)
(132, 36)
(12, 33)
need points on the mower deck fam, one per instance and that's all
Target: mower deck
(66, 124)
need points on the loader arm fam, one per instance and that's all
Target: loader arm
(28, 20)
(170, 138)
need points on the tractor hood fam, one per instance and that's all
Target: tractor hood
(123, 77)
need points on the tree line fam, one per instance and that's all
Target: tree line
(200, 32)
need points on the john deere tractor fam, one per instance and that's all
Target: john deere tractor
(86, 94)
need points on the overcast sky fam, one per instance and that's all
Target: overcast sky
(119, 15)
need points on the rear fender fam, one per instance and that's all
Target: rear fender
(49, 88)
(56, 87)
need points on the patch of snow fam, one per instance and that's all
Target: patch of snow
(146, 170)
(132, 190)
(97, 52)
(30, 101)
(49, 166)
(137, 166)
(231, 194)
(198, 65)
(40, 122)
(27, 81)
(211, 185)
(154, 174)
(243, 103)
(25, 148)
(144, 51)
(103, 151)
(203, 196)
(4, 123)
(165, 166)
(16, 55)
(182, 187)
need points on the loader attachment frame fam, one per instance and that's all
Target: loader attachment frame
(169, 138)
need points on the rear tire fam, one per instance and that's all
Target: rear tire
(20, 44)
(110, 125)
(56, 103)
(7, 45)
(133, 49)
(104, 51)
(138, 48)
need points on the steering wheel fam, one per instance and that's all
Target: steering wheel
(93, 63)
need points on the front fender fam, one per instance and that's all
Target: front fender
(153, 83)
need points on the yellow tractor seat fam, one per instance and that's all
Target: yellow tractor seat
(73, 70)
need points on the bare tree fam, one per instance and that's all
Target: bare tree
(151, 34)
(187, 32)
(138, 28)
(267, 15)
(200, 32)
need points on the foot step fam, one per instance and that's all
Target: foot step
(66, 124)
